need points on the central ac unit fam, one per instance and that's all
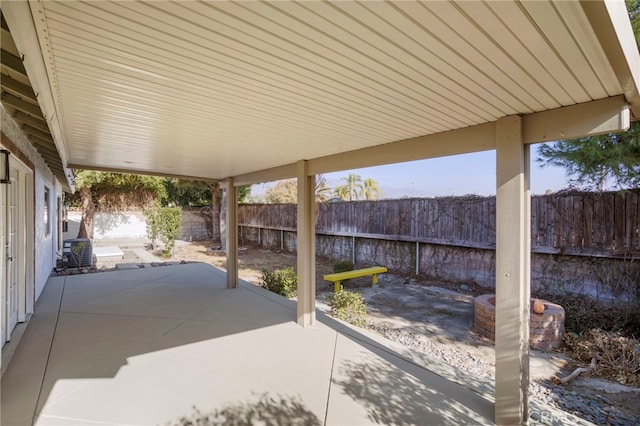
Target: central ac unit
(77, 252)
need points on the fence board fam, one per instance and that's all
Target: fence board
(577, 223)
(590, 223)
(619, 210)
(587, 225)
(631, 225)
(608, 220)
(631, 211)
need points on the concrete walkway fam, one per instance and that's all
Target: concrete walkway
(146, 346)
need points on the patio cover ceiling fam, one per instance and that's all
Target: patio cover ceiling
(219, 89)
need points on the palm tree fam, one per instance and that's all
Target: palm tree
(370, 189)
(349, 191)
(323, 192)
(342, 192)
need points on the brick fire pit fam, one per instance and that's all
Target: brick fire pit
(546, 330)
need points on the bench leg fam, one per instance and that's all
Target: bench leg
(337, 286)
(374, 279)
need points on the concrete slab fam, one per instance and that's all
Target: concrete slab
(145, 346)
(110, 251)
(371, 386)
(145, 255)
(124, 266)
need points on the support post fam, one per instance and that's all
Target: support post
(306, 246)
(232, 234)
(513, 252)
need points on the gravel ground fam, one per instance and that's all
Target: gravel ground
(595, 408)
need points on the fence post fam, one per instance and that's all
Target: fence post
(417, 257)
(353, 250)
(281, 240)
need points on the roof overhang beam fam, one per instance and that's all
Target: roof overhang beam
(14, 87)
(610, 23)
(20, 21)
(277, 173)
(608, 115)
(139, 172)
(22, 118)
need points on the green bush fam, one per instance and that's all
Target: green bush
(166, 223)
(152, 226)
(343, 266)
(348, 306)
(281, 281)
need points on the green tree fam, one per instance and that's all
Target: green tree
(633, 9)
(185, 192)
(370, 189)
(591, 161)
(286, 191)
(169, 227)
(166, 223)
(323, 191)
(113, 192)
(351, 188)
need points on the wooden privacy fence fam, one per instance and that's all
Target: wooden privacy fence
(578, 223)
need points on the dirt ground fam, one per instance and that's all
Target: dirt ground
(436, 317)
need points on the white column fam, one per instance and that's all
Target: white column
(306, 244)
(231, 233)
(513, 253)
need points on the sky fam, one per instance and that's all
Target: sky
(456, 175)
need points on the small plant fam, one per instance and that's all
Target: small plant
(348, 306)
(281, 281)
(343, 266)
(77, 252)
(170, 227)
(166, 223)
(152, 226)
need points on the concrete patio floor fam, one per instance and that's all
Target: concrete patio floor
(146, 346)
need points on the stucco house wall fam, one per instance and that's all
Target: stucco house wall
(45, 244)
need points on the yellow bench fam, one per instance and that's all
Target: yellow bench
(338, 277)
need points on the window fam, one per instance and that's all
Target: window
(59, 221)
(47, 224)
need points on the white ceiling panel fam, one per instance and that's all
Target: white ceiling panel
(218, 89)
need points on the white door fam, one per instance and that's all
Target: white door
(12, 252)
(4, 230)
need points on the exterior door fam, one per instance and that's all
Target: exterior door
(12, 260)
(4, 230)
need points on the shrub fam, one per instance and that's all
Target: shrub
(170, 219)
(618, 356)
(348, 306)
(583, 313)
(343, 266)
(152, 226)
(166, 223)
(281, 281)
